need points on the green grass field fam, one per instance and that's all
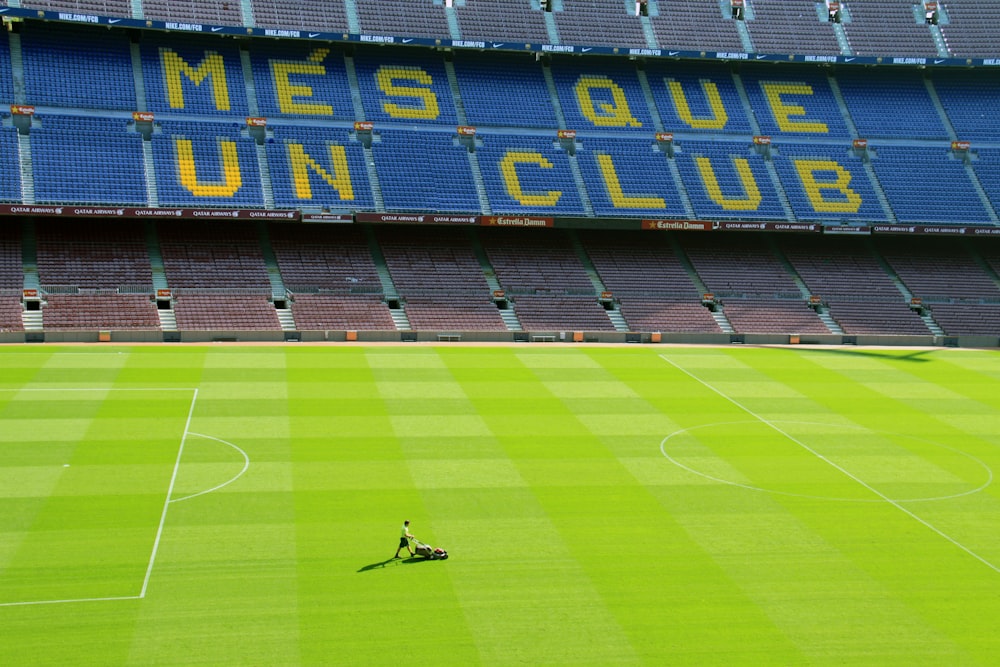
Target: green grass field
(232, 505)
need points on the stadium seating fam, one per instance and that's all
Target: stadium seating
(727, 180)
(928, 185)
(192, 74)
(10, 171)
(969, 32)
(502, 19)
(303, 79)
(987, 169)
(902, 109)
(94, 255)
(844, 273)
(790, 26)
(204, 312)
(486, 79)
(206, 164)
(697, 97)
(827, 183)
(432, 261)
(321, 15)
(99, 312)
(6, 82)
(319, 312)
(324, 258)
(404, 85)
(80, 160)
(882, 27)
(313, 167)
(11, 268)
(225, 12)
(599, 93)
(944, 270)
(536, 262)
(599, 22)
(216, 256)
(967, 97)
(695, 25)
(101, 7)
(10, 314)
(405, 18)
(65, 66)
(527, 174)
(627, 177)
(424, 171)
(793, 102)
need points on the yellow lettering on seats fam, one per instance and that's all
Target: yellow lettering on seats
(783, 112)
(614, 186)
(846, 200)
(604, 114)
(508, 169)
(188, 173)
(425, 102)
(719, 116)
(751, 200)
(211, 66)
(287, 91)
(302, 162)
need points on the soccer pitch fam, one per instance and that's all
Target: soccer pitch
(240, 505)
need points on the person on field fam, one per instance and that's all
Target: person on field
(404, 539)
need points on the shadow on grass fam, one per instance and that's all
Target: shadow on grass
(913, 355)
(392, 562)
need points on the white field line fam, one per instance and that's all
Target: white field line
(246, 466)
(173, 478)
(847, 473)
(38, 602)
(166, 501)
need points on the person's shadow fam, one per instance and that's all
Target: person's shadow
(394, 561)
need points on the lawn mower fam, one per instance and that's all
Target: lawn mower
(428, 552)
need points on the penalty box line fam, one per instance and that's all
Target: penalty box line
(166, 502)
(834, 465)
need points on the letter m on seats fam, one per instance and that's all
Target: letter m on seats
(212, 69)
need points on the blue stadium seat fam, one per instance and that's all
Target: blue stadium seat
(886, 104)
(827, 183)
(628, 177)
(301, 79)
(987, 168)
(189, 74)
(969, 98)
(10, 174)
(601, 94)
(504, 90)
(727, 180)
(424, 171)
(527, 175)
(65, 66)
(686, 99)
(406, 86)
(6, 81)
(794, 102)
(305, 175)
(79, 160)
(928, 185)
(195, 166)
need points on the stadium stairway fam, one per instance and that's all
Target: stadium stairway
(717, 314)
(507, 314)
(925, 315)
(155, 257)
(392, 299)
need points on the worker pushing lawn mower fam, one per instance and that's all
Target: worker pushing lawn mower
(426, 551)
